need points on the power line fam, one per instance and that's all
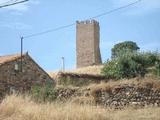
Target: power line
(48, 31)
(72, 24)
(14, 3)
(116, 9)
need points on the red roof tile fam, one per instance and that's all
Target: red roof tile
(9, 58)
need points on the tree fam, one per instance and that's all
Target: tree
(125, 66)
(123, 48)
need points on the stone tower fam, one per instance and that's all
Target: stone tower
(87, 43)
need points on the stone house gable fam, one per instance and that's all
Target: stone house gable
(12, 78)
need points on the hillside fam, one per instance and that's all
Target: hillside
(128, 99)
(20, 107)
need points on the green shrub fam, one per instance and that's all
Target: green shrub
(130, 65)
(74, 81)
(150, 58)
(43, 94)
(152, 62)
(157, 68)
(125, 66)
(111, 69)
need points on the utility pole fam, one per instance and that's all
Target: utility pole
(21, 54)
(63, 65)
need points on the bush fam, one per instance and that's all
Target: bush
(73, 81)
(157, 68)
(150, 58)
(125, 66)
(43, 94)
(152, 62)
(111, 69)
(130, 65)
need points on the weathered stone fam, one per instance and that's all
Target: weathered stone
(87, 42)
(124, 95)
(14, 78)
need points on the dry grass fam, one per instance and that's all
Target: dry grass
(23, 108)
(149, 113)
(149, 81)
(92, 70)
(53, 75)
(83, 100)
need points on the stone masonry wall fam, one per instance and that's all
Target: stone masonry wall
(14, 80)
(78, 79)
(87, 42)
(128, 95)
(118, 96)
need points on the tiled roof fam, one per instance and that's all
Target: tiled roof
(9, 58)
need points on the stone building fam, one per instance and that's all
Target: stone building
(87, 43)
(20, 74)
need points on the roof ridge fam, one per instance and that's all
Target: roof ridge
(11, 57)
(25, 53)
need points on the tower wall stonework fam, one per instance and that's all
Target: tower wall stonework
(87, 43)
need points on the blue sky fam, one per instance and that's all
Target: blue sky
(139, 23)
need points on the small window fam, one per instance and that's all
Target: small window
(12, 90)
(16, 67)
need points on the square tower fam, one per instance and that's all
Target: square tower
(87, 43)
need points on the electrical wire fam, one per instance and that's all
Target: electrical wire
(48, 31)
(114, 10)
(14, 3)
(72, 24)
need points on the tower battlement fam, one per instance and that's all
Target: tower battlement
(88, 22)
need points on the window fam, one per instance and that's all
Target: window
(12, 90)
(16, 67)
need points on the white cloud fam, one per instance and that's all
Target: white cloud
(11, 22)
(22, 7)
(143, 7)
(15, 26)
